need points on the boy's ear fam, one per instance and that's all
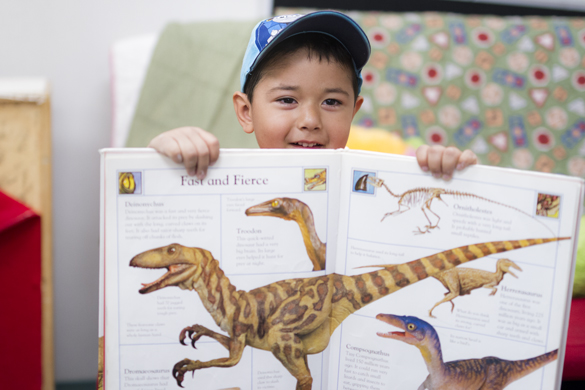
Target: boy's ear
(243, 109)
(358, 103)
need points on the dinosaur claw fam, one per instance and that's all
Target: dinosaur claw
(178, 373)
(192, 332)
(178, 377)
(182, 336)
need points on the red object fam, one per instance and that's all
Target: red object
(20, 296)
(574, 368)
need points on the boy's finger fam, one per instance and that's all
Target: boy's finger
(212, 144)
(466, 159)
(449, 161)
(168, 146)
(422, 157)
(202, 158)
(435, 160)
(189, 151)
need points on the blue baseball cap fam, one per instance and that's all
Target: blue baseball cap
(270, 32)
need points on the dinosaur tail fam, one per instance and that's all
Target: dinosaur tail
(363, 289)
(397, 276)
(521, 368)
(453, 257)
(470, 195)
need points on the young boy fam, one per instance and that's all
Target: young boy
(300, 84)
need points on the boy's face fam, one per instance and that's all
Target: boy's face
(300, 103)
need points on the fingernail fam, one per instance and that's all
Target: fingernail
(460, 166)
(179, 158)
(436, 175)
(425, 169)
(191, 171)
(446, 177)
(200, 175)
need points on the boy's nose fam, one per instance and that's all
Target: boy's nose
(309, 118)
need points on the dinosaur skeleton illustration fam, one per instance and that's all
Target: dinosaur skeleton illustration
(461, 281)
(291, 318)
(488, 373)
(295, 210)
(423, 197)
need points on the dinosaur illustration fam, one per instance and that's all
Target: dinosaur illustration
(294, 210)
(318, 179)
(291, 318)
(548, 205)
(423, 197)
(461, 281)
(488, 373)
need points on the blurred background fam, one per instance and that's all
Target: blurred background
(68, 42)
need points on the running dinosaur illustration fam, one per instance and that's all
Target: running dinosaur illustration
(294, 210)
(488, 373)
(318, 179)
(461, 281)
(291, 318)
(423, 197)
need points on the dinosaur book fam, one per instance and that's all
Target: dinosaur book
(280, 268)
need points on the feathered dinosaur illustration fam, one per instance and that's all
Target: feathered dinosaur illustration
(318, 179)
(294, 210)
(295, 317)
(488, 373)
(461, 281)
(423, 197)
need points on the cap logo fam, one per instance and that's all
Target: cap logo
(270, 28)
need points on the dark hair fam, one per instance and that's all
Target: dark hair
(319, 46)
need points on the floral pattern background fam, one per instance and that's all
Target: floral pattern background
(512, 89)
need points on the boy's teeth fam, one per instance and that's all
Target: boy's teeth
(306, 145)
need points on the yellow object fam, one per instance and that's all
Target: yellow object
(380, 140)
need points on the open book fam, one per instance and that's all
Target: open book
(332, 269)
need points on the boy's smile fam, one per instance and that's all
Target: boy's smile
(300, 102)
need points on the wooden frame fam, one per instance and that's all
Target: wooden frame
(25, 174)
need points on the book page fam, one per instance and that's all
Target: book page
(513, 309)
(263, 216)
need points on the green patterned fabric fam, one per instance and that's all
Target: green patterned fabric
(511, 89)
(193, 72)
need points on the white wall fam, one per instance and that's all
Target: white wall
(67, 41)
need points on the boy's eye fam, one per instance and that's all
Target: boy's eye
(331, 102)
(287, 100)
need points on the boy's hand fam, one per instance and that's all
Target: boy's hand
(442, 161)
(192, 146)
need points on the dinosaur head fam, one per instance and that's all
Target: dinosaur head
(182, 264)
(373, 180)
(277, 207)
(317, 177)
(506, 264)
(415, 329)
